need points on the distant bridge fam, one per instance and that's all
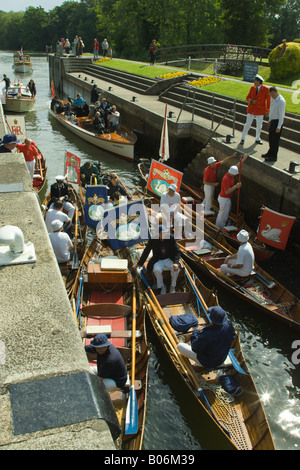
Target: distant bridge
(211, 52)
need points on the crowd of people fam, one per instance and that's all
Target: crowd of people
(105, 117)
(78, 46)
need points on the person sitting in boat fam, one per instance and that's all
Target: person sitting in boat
(57, 214)
(166, 255)
(30, 153)
(111, 367)
(115, 186)
(98, 124)
(210, 179)
(32, 88)
(68, 110)
(170, 206)
(85, 109)
(78, 104)
(95, 94)
(60, 191)
(104, 109)
(61, 242)
(8, 143)
(209, 346)
(90, 174)
(113, 117)
(241, 263)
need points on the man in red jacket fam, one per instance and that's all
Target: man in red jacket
(258, 106)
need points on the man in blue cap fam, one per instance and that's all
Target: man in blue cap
(210, 346)
(8, 143)
(110, 363)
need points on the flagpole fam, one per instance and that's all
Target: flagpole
(238, 201)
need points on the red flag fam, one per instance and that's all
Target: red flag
(72, 168)
(274, 228)
(161, 177)
(52, 89)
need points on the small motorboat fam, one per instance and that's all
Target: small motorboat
(18, 99)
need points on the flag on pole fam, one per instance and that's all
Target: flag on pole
(126, 224)
(95, 198)
(274, 228)
(161, 177)
(72, 168)
(164, 140)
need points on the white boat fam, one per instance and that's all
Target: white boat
(18, 99)
(22, 63)
(120, 144)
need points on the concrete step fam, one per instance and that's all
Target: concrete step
(132, 82)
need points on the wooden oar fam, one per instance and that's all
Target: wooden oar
(131, 422)
(238, 199)
(183, 361)
(75, 262)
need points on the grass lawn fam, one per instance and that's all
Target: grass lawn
(234, 89)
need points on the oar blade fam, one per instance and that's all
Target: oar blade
(131, 422)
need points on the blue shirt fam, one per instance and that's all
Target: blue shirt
(110, 365)
(212, 344)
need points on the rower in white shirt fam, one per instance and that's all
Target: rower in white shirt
(276, 119)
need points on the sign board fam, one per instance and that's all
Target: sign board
(250, 70)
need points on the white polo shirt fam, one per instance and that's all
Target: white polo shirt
(60, 243)
(53, 214)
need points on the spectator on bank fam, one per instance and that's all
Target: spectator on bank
(67, 46)
(96, 49)
(95, 94)
(153, 49)
(105, 47)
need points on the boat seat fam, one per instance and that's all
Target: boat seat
(92, 330)
(106, 310)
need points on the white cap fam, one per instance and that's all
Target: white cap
(233, 170)
(173, 187)
(243, 236)
(56, 225)
(259, 77)
(59, 178)
(211, 160)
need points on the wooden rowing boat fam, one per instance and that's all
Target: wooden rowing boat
(238, 422)
(40, 173)
(69, 270)
(196, 196)
(120, 144)
(107, 307)
(259, 289)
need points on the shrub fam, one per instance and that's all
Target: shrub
(234, 69)
(287, 63)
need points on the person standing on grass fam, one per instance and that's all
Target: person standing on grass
(153, 49)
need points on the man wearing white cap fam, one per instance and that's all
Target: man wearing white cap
(227, 189)
(210, 180)
(170, 205)
(258, 106)
(60, 191)
(61, 242)
(242, 262)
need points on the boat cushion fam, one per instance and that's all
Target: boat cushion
(182, 323)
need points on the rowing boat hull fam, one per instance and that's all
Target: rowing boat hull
(121, 290)
(122, 148)
(276, 301)
(244, 418)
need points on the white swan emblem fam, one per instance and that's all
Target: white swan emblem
(271, 234)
